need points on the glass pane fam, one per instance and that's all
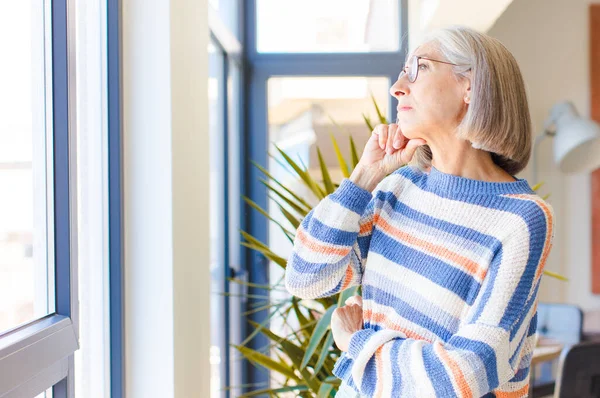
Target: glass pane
(46, 394)
(25, 156)
(327, 26)
(217, 215)
(228, 12)
(234, 90)
(299, 115)
(92, 360)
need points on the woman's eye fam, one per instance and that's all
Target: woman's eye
(422, 66)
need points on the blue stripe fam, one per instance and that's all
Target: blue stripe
(441, 273)
(485, 353)
(515, 355)
(454, 229)
(364, 243)
(302, 266)
(533, 325)
(351, 197)
(421, 180)
(324, 233)
(472, 242)
(525, 310)
(437, 373)
(394, 354)
(414, 299)
(518, 300)
(521, 375)
(407, 311)
(333, 291)
(369, 378)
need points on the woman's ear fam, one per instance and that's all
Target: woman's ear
(466, 83)
(468, 95)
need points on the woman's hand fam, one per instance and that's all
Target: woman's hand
(386, 151)
(345, 321)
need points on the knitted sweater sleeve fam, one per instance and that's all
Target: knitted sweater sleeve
(492, 346)
(331, 244)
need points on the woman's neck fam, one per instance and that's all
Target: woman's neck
(465, 161)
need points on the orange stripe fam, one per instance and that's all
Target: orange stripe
(348, 278)
(380, 381)
(383, 320)
(366, 228)
(459, 378)
(316, 247)
(522, 392)
(470, 266)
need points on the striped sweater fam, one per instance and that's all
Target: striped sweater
(450, 269)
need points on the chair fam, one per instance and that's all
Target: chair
(561, 322)
(579, 371)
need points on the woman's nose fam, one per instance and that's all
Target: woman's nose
(398, 89)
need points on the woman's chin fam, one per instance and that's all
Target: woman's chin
(409, 131)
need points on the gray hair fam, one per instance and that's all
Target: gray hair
(498, 118)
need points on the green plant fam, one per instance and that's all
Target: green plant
(305, 357)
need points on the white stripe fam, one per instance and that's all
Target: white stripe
(436, 294)
(396, 319)
(417, 368)
(468, 249)
(493, 222)
(335, 215)
(498, 339)
(376, 340)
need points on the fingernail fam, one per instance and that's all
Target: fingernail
(397, 144)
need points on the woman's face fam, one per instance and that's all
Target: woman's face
(435, 103)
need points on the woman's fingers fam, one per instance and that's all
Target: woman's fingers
(408, 152)
(354, 300)
(382, 132)
(389, 147)
(399, 139)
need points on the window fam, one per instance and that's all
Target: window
(224, 93)
(316, 26)
(26, 283)
(299, 112)
(37, 313)
(309, 60)
(92, 373)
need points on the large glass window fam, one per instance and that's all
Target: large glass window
(38, 296)
(26, 182)
(317, 26)
(217, 206)
(316, 66)
(301, 111)
(224, 95)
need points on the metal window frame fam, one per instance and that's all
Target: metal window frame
(115, 200)
(230, 48)
(261, 67)
(39, 355)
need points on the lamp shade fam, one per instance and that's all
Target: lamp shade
(577, 140)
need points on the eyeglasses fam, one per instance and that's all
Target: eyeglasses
(412, 68)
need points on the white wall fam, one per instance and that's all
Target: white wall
(549, 39)
(166, 219)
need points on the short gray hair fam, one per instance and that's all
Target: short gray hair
(498, 118)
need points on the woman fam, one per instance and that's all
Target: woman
(449, 249)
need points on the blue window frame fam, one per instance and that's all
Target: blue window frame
(115, 208)
(226, 76)
(264, 66)
(52, 339)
